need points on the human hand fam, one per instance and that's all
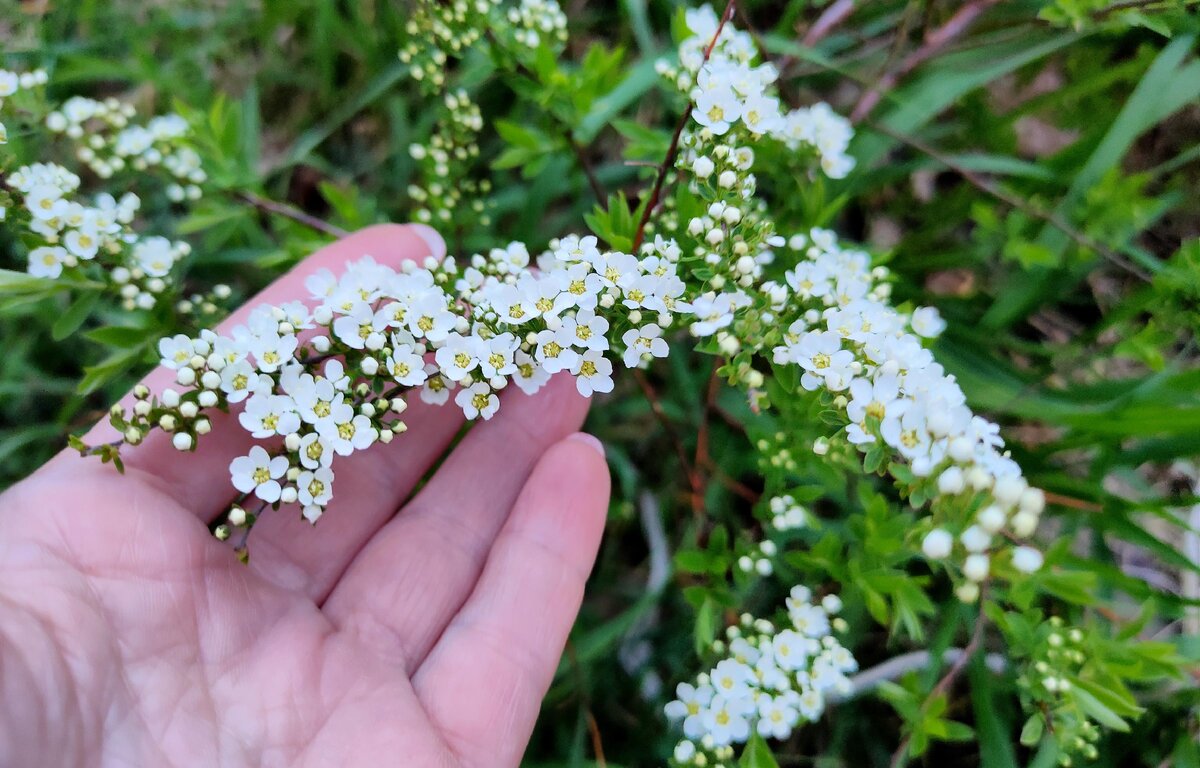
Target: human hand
(129, 636)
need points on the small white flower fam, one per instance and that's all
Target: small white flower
(1027, 559)
(260, 473)
(265, 415)
(593, 373)
(646, 340)
(478, 401)
(937, 544)
(315, 487)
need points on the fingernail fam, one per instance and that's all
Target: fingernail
(437, 246)
(591, 441)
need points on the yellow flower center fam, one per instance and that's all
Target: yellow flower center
(316, 488)
(240, 381)
(552, 349)
(480, 401)
(322, 409)
(261, 475)
(271, 421)
(820, 360)
(588, 368)
(425, 323)
(314, 450)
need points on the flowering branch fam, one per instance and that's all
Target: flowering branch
(669, 161)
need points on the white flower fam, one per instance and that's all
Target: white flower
(436, 390)
(716, 108)
(646, 340)
(553, 353)
(47, 261)
(529, 375)
(809, 620)
(478, 400)
(927, 322)
(271, 351)
(726, 720)
(314, 451)
(731, 678)
(787, 648)
(345, 432)
(315, 487)
(459, 356)
(176, 351)
(585, 330)
(239, 380)
(593, 373)
(776, 716)
(496, 355)
(362, 325)
(260, 473)
(266, 415)
(429, 318)
(689, 707)
(406, 367)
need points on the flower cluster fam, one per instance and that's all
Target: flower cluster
(438, 30)
(376, 334)
(447, 192)
(108, 142)
(1047, 682)
(729, 90)
(10, 84)
(902, 406)
(537, 21)
(770, 680)
(69, 234)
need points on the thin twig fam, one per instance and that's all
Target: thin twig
(829, 20)
(898, 666)
(979, 182)
(293, 213)
(947, 680)
(694, 481)
(588, 171)
(669, 162)
(935, 40)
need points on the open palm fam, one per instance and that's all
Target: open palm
(129, 636)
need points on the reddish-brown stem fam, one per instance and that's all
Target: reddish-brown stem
(695, 482)
(293, 213)
(640, 234)
(943, 685)
(829, 20)
(935, 40)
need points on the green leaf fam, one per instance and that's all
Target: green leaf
(1097, 711)
(75, 316)
(757, 754)
(1032, 732)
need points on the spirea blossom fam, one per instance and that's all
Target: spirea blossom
(770, 680)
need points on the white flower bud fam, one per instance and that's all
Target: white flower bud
(831, 603)
(763, 567)
(320, 344)
(237, 516)
(703, 167)
(133, 436)
(292, 442)
(182, 441)
(991, 518)
(967, 593)
(961, 449)
(1027, 559)
(975, 539)
(210, 380)
(399, 405)
(768, 548)
(1032, 500)
(821, 446)
(1008, 490)
(370, 366)
(976, 567)
(322, 315)
(202, 426)
(169, 398)
(951, 481)
(207, 399)
(937, 544)
(186, 376)
(1024, 524)
(188, 410)
(288, 495)
(727, 179)
(745, 564)
(141, 408)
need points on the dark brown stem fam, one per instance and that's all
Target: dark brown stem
(695, 482)
(943, 685)
(982, 184)
(935, 40)
(640, 234)
(293, 213)
(588, 171)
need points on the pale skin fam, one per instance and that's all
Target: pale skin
(408, 630)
